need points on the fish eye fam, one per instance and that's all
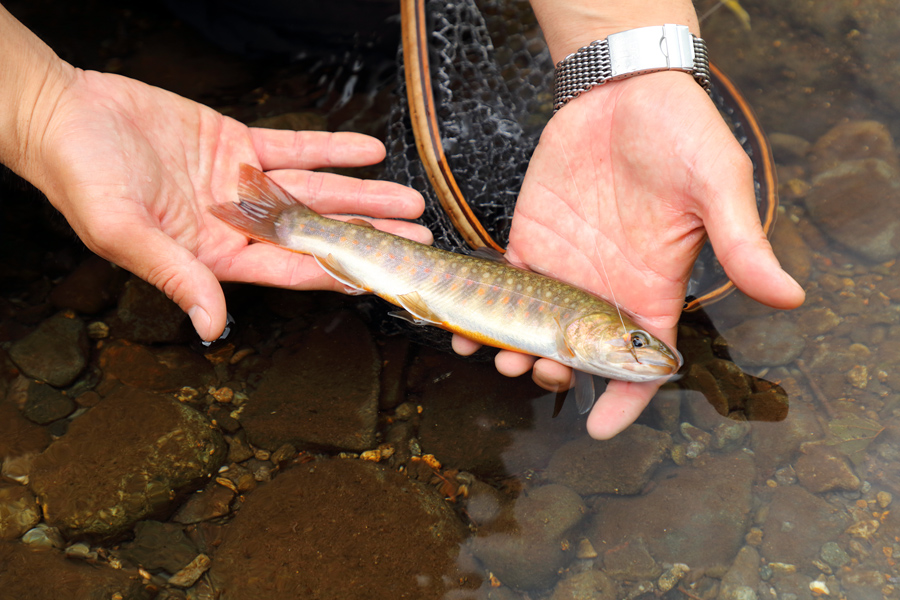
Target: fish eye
(639, 339)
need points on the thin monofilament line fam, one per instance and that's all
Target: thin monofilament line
(596, 247)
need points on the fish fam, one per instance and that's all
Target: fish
(489, 301)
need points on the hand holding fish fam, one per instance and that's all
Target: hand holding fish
(134, 168)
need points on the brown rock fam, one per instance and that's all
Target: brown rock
(822, 469)
(19, 511)
(163, 369)
(765, 342)
(56, 352)
(852, 140)
(90, 288)
(798, 524)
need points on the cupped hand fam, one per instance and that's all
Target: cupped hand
(627, 182)
(134, 168)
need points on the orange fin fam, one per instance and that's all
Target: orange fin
(415, 306)
(334, 268)
(260, 202)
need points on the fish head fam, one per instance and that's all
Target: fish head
(630, 354)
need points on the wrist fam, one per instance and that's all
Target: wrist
(571, 24)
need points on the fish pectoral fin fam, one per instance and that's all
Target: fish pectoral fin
(584, 392)
(334, 268)
(360, 222)
(562, 345)
(416, 307)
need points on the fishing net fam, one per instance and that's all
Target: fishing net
(492, 80)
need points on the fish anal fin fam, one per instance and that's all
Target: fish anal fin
(333, 267)
(416, 306)
(584, 392)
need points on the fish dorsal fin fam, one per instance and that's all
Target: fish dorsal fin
(488, 253)
(333, 267)
(584, 392)
(360, 222)
(416, 306)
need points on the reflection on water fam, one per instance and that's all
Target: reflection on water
(308, 456)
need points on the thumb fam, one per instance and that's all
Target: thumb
(732, 224)
(161, 261)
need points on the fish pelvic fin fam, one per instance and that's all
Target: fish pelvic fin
(260, 202)
(333, 267)
(418, 309)
(584, 392)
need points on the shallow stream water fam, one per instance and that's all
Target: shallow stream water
(310, 456)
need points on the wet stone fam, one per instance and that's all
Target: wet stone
(523, 545)
(19, 511)
(321, 393)
(43, 536)
(158, 546)
(742, 578)
(852, 140)
(123, 460)
(56, 352)
(341, 529)
(834, 555)
(622, 465)
(18, 435)
(779, 441)
(43, 574)
(818, 320)
(90, 288)
(798, 524)
(630, 561)
(589, 584)
(770, 405)
(765, 342)
(161, 369)
(45, 404)
(146, 316)
(209, 503)
(855, 204)
(695, 515)
(823, 469)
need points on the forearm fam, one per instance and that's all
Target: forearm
(32, 76)
(570, 24)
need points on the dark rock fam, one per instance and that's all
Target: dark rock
(56, 352)
(158, 546)
(18, 435)
(42, 574)
(765, 342)
(855, 204)
(695, 515)
(45, 404)
(622, 465)
(523, 545)
(797, 525)
(770, 405)
(322, 393)
(776, 443)
(822, 469)
(123, 460)
(163, 369)
(209, 503)
(90, 288)
(589, 584)
(146, 316)
(341, 530)
(19, 511)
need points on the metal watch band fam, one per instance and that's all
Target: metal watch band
(629, 53)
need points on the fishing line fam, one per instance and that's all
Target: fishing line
(627, 336)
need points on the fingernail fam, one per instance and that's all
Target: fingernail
(200, 320)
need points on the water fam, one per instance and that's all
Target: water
(770, 467)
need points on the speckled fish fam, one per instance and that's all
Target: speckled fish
(488, 301)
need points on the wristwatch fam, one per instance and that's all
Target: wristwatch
(629, 53)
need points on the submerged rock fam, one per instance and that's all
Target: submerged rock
(56, 352)
(123, 460)
(18, 511)
(798, 524)
(341, 529)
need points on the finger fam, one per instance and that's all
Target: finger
(158, 259)
(278, 149)
(732, 223)
(463, 345)
(330, 193)
(513, 364)
(618, 407)
(551, 375)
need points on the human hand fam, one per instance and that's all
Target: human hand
(133, 168)
(626, 183)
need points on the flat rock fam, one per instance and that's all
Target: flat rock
(341, 529)
(798, 524)
(766, 341)
(696, 515)
(855, 204)
(145, 315)
(19, 511)
(321, 393)
(159, 546)
(44, 574)
(777, 443)
(622, 465)
(123, 460)
(56, 352)
(45, 404)
(18, 435)
(160, 369)
(822, 469)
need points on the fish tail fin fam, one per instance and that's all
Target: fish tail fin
(260, 202)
